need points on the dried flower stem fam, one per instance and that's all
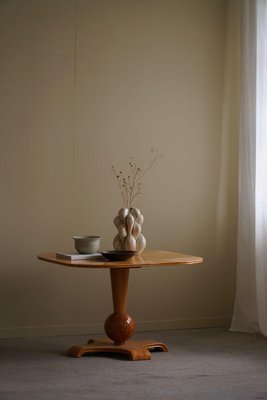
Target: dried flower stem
(130, 184)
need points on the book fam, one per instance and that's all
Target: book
(77, 256)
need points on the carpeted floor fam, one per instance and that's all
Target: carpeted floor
(208, 364)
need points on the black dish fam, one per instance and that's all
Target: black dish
(114, 255)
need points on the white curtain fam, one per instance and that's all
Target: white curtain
(250, 313)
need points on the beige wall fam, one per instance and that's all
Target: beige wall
(143, 74)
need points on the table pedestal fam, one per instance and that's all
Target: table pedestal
(119, 326)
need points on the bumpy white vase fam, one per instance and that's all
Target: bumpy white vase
(129, 237)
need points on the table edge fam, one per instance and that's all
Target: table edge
(185, 260)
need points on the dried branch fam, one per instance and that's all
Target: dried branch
(130, 183)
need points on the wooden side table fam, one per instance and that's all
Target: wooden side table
(119, 326)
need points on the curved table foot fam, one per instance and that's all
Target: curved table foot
(135, 350)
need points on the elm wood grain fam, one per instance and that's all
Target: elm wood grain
(136, 351)
(149, 258)
(119, 326)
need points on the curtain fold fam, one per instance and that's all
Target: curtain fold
(250, 313)
(261, 165)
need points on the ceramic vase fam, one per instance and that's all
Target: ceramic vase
(129, 237)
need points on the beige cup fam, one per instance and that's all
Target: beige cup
(86, 244)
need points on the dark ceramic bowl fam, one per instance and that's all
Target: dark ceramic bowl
(114, 255)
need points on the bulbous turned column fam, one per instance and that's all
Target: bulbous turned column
(129, 237)
(119, 326)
